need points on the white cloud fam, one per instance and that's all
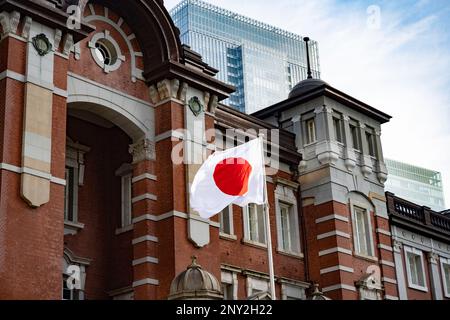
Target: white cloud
(402, 68)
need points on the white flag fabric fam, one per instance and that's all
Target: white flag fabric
(234, 176)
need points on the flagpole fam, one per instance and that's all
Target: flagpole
(268, 230)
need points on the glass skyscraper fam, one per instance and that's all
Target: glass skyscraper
(263, 62)
(418, 185)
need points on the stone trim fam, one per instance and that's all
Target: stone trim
(388, 297)
(419, 241)
(332, 234)
(22, 78)
(332, 217)
(146, 281)
(60, 92)
(145, 239)
(387, 263)
(150, 217)
(169, 134)
(36, 173)
(12, 75)
(339, 287)
(385, 232)
(335, 250)
(337, 268)
(147, 259)
(144, 176)
(389, 280)
(147, 196)
(385, 247)
(287, 183)
(168, 215)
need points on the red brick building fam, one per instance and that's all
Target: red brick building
(104, 122)
(421, 239)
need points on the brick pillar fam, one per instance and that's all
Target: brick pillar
(170, 220)
(330, 256)
(32, 152)
(144, 201)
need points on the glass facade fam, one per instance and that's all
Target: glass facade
(263, 62)
(421, 186)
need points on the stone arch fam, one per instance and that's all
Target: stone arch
(357, 197)
(136, 121)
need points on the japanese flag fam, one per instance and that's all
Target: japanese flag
(233, 176)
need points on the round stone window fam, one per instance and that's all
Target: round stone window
(106, 52)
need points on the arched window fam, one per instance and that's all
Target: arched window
(362, 210)
(74, 276)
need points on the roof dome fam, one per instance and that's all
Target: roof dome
(195, 284)
(305, 86)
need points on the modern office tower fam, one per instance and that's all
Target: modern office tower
(263, 62)
(419, 185)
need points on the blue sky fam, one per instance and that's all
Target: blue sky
(400, 66)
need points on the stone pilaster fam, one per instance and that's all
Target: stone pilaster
(350, 156)
(195, 152)
(382, 172)
(367, 166)
(401, 276)
(327, 150)
(435, 278)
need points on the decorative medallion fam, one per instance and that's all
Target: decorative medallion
(196, 106)
(42, 44)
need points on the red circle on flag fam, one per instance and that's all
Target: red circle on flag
(231, 176)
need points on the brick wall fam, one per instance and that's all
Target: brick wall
(99, 208)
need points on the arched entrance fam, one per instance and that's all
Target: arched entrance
(98, 195)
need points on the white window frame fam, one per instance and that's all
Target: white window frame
(284, 196)
(125, 172)
(68, 261)
(287, 231)
(127, 212)
(73, 183)
(75, 154)
(353, 206)
(414, 251)
(289, 290)
(230, 222)
(446, 289)
(311, 133)
(247, 233)
(256, 284)
(338, 127)
(231, 278)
